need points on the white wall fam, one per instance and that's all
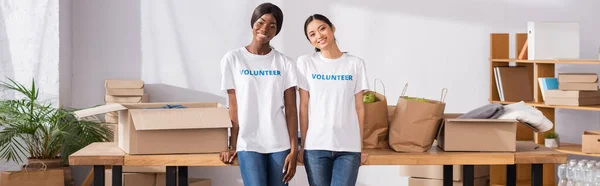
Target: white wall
(29, 45)
(65, 47)
(176, 46)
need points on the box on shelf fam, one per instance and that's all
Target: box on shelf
(590, 142)
(124, 87)
(161, 180)
(163, 128)
(492, 135)
(578, 78)
(437, 171)
(572, 97)
(484, 181)
(127, 99)
(131, 179)
(578, 86)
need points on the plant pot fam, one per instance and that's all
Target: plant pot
(34, 163)
(551, 143)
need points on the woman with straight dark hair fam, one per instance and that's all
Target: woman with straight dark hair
(260, 83)
(331, 85)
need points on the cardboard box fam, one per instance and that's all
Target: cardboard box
(49, 177)
(590, 142)
(578, 86)
(437, 171)
(149, 128)
(578, 78)
(111, 119)
(114, 129)
(120, 84)
(131, 179)
(491, 135)
(127, 99)
(161, 180)
(145, 169)
(572, 97)
(484, 181)
(124, 92)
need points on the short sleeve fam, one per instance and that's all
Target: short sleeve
(291, 79)
(361, 78)
(301, 73)
(226, 74)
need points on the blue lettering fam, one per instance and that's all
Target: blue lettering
(260, 72)
(278, 73)
(332, 77)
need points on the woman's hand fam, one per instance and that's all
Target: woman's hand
(289, 167)
(300, 157)
(363, 158)
(228, 156)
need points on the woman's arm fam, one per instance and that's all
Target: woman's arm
(291, 116)
(228, 156)
(360, 111)
(304, 97)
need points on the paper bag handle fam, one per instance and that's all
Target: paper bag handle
(375, 85)
(404, 89)
(44, 166)
(444, 92)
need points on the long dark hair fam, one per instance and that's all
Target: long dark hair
(316, 17)
(268, 8)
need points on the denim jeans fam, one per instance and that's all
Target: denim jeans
(262, 169)
(327, 168)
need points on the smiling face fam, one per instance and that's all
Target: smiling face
(320, 34)
(265, 28)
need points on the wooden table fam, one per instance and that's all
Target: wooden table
(100, 155)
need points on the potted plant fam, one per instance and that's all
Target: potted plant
(551, 139)
(41, 133)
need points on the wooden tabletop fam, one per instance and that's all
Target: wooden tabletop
(108, 153)
(102, 153)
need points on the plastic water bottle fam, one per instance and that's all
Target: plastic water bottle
(562, 175)
(597, 174)
(571, 172)
(580, 173)
(589, 174)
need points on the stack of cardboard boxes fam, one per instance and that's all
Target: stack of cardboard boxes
(122, 91)
(432, 175)
(574, 89)
(150, 179)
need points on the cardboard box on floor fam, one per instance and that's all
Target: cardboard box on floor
(437, 171)
(484, 181)
(590, 142)
(572, 98)
(148, 128)
(492, 135)
(132, 179)
(49, 177)
(161, 180)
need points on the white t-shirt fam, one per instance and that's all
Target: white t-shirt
(332, 85)
(259, 82)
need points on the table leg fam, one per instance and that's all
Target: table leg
(117, 175)
(468, 175)
(171, 176)
(537, 173)
(182, 175)
(511, 175)
(98, 175)
(448, 175)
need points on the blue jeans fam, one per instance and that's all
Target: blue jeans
(262, 169)
(328, 168)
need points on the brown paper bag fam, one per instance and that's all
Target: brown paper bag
(416, 123)
(48, 177)
(375, 129)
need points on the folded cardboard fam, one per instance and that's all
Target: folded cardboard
(49, 177)
(578, 86)
(161, 180)
(132, 179)
(124, 92)
(119, 84)
(157, 128)
(437, 171)
(493, 135)
(127, 99)
(577, 78)
(590, 142)
(484, 181)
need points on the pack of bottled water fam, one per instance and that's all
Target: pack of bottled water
(579, 173)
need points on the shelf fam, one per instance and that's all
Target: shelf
(575, 149)
(542, 105)
(562, 61)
